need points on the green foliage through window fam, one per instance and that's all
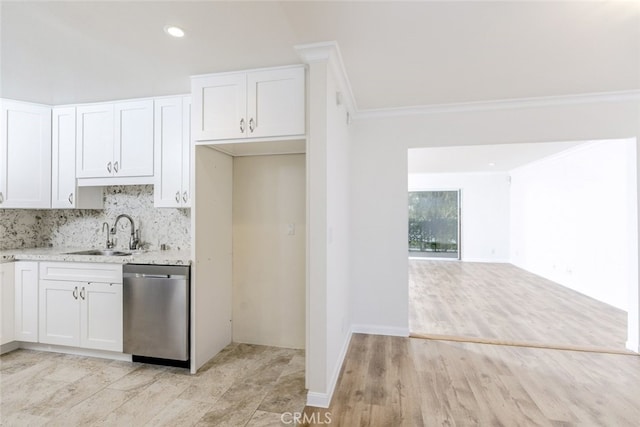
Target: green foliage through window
(433, 221)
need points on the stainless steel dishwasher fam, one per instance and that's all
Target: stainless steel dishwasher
(156, 313)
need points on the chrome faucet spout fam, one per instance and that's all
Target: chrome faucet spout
(134, 241)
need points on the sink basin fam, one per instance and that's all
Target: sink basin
(103, 252)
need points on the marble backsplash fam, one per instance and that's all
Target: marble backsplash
(25, 228)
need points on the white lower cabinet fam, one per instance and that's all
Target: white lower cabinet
(101, 316)
(59, 313)
(26, 301)
(85, 314)
(7, 303)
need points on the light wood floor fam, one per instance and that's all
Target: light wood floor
(504, 302)
(393, 381)
(243, 385)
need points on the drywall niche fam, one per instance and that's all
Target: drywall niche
(269, 234)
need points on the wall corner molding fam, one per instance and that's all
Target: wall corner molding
(330, 52)
(504, 104)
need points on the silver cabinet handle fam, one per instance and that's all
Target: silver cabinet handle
(184, 197)
(242, 125)
(177, 197)
(109, 167)
(82, 293)
(1, 197)
(71, 198)
(75, 292)
(115, 167)
(252, 124)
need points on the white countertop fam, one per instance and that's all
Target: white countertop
(169, 257)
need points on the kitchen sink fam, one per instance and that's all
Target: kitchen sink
(103, 252)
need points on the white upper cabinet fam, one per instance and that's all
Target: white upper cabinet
(265, 104)
(173, 152)
(25, 155)
(65, 194)
(95, 141)
(115, 140)
(133, 141)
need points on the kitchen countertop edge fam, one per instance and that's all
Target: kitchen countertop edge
(169, 257)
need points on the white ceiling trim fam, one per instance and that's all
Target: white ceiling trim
(546, 101)
(330, 52)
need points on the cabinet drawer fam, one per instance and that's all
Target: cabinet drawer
(82, 272)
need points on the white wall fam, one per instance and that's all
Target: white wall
(211, 253)
(570, 218)
(268, 255)
(329, 255)
(379, 183)
(484, 211)
(338, 225)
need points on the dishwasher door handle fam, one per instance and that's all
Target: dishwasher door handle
(146, 276)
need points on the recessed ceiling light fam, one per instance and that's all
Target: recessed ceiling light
(492, 164)
(174, 31)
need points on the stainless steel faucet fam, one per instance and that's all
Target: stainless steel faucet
(109, 241)
(134, 240)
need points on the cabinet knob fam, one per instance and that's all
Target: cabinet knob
(109, 167)
(115, 167)
(177, 197)
(184, 197)
(242, 125)
(252, 125)
(71, 198)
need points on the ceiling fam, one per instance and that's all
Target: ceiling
(482, 158)
(396, 54)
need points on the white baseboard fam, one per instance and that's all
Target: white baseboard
(323, 400)
(318, 400)
(633, 346)
(77, 351)
(380, 330)
(10, 346)
(487, 260)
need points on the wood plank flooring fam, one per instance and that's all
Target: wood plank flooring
(504, 302)
(244, 385)
(393, 381)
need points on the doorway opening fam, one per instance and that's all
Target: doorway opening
(434, 224)
(533, 269)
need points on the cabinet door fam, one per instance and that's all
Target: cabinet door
(133, 153)
(101, 316)
(60, 312)
(219, 107)
(276, 104)
(63, 165)
(7, 303)
(64, 192)
(168, 135)
(186, 152)
(95, 141)
(25, 155)
(26, 301)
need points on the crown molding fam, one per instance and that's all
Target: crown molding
(506, 104)
(330, 52)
